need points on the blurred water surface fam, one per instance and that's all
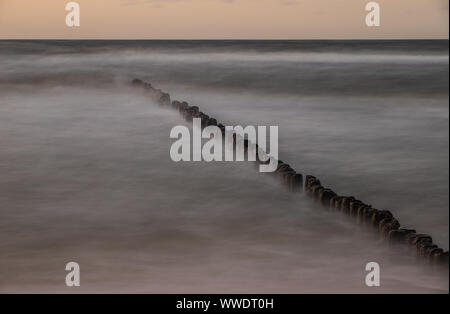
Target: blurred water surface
(86, 174)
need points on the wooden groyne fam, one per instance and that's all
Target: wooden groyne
(381, 221)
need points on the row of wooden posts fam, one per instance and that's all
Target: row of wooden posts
(382, 221)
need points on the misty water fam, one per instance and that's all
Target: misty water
(86, 176)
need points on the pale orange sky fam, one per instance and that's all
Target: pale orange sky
(223, 19)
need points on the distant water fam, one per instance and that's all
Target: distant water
(86, 174)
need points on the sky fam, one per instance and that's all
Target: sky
(223, 19)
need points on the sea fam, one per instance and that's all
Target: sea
(86, 175)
